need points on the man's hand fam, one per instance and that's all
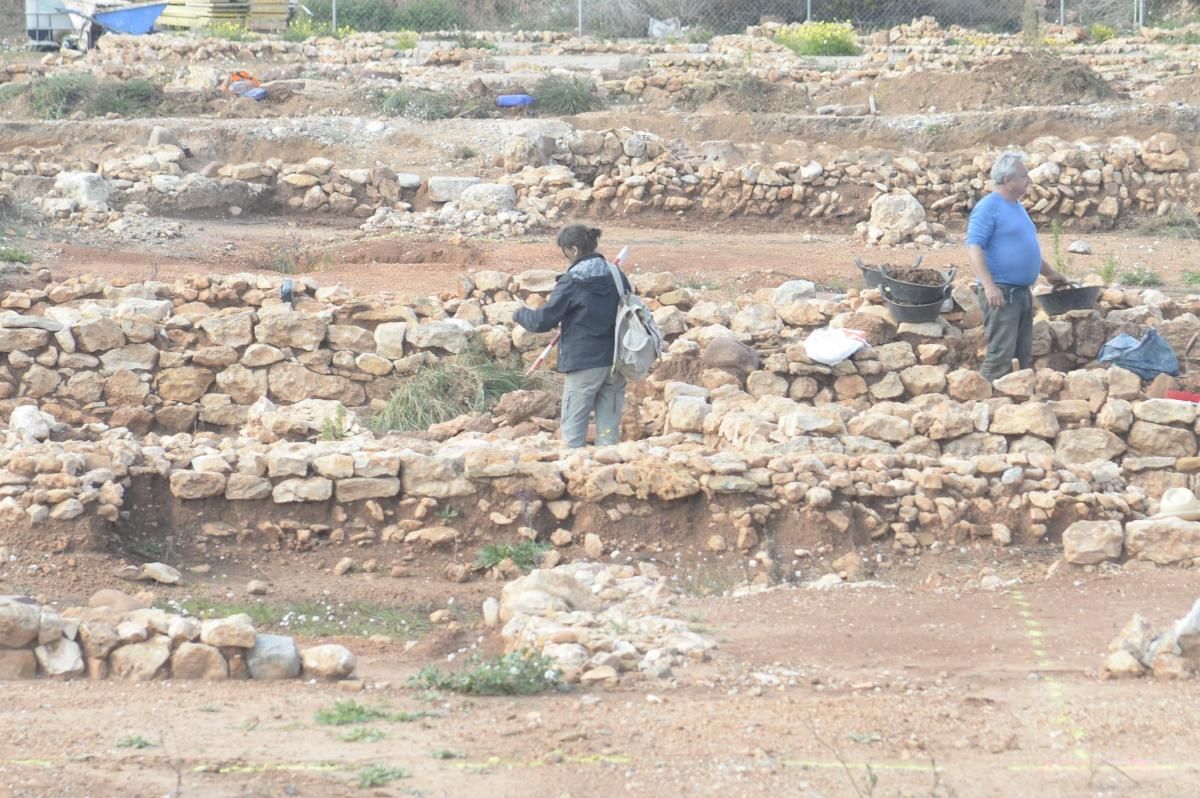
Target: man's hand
(1052, 275)
(995, 297)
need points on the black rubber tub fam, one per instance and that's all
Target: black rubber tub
(907, 313)
(913, 293)
(1076, 297)
(870, 274)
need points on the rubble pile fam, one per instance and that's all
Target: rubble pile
(599, 621)
(119, 637)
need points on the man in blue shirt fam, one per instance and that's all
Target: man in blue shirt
(1003, 249)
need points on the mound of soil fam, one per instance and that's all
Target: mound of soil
(1044, 79)
(931, 277)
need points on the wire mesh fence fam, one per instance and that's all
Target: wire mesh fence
(641, 18)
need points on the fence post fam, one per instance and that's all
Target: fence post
(580, 19)
(1062, 13)
(333, 14)
(808, 11)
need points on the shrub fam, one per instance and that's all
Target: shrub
(819, 38)
(557, 94)
(469, 383)
(699, 36)
(1141, 277)
(525, 554)
(14, 255)
(405, 40)
(1100, 33)
(518, 673)
(61, 95)
(303, 27)
(57, 96)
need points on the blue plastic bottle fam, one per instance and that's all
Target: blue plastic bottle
(513, 100)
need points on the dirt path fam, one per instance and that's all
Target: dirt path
(937, 691)
(716, 256)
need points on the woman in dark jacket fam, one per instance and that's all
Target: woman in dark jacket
(584, 302)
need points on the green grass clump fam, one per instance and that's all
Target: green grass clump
(380, 775)
(303, 27)
(1141, 277)
(1100, 33)
(346, 713)
(566, 96)
(14, 255)
(423, 106)
(134, 741)
(525, 554)
(61, 95)
(819, 38)
(228, 31)
(518, 673)
(405, 40)
(469, 383)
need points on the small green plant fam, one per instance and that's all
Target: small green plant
(362, 735)
(446, 753)
(1060, 260)
(518, 673)
(446, 512)
(14, 255)
(469, 41)
(699, 36)
(748, 93)
(469, 383)
(334, 429)
(465, 153)
(566, 96)
(303, 27)
(819, 38)
(134, 741)
(405, 40)
(298, 260)
(934, 129)
(1100, 33)
(1109, 271)
(1141, 277)
(346, 713)
(380, 775)
(524, 554)
(422, 106)
(1191, 278)
(228, 31)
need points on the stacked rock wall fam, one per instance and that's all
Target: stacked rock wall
(143, 644)
(902, 441)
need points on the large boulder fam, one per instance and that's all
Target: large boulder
(1091, 542)
(489, 198)
(1086, 445)
(1163, 540)
(898, 212)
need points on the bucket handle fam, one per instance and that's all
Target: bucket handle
(953, 270)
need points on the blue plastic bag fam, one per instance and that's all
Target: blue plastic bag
(513, 100)
(1146, 358)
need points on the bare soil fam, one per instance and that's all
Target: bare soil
(924, 685)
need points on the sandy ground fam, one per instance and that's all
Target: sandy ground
(903, 689)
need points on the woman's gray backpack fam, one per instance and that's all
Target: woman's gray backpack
(638, 342)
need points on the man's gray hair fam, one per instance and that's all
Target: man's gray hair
(1005, 167)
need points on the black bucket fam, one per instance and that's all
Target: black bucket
(1062, 300)
(870, 274)
(913, 293)
(906, 313)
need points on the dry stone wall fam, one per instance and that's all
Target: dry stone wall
(116, 638)
(214, 391)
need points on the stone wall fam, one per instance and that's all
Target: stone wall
(116, 638)
(903, 441)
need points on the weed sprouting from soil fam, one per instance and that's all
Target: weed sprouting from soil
(134, 741)
(346, 713)
(524, 554)
(566, 96)
(469, 383)
(1179, 222)
(380, 775)
(14, 255)
(312, 619)
(422, 106)
(60, 95)
(362, 735)
(518, 673)
(1141, 277)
